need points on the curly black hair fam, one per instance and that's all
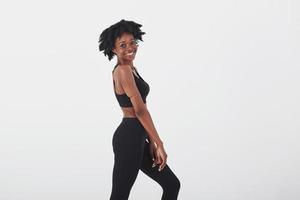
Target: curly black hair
(109, 35)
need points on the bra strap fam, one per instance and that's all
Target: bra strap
(138, 74)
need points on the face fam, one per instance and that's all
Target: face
(125, 47)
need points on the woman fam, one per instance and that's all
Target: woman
(136, 143)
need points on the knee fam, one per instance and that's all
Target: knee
(177, 184)
(173, 186)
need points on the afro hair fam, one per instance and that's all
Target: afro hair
(109, 35)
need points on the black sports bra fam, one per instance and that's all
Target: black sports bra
(143, 87)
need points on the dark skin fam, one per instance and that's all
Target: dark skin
(125, 49)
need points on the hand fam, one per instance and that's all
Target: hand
(160, 157)
(152, 148)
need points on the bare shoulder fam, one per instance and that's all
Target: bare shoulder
(124, 72)
(123, 68)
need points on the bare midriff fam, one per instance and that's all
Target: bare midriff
(128, 112)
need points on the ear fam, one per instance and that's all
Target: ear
(114, 50)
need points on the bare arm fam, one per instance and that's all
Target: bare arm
(147, 122)
(141, 111)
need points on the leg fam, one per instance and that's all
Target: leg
(165, 178)
(128, 146)
(124, 176)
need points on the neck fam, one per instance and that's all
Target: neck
(125, 62)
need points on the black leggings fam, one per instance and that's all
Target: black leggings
(131, 154)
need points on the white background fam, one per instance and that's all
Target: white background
(224, 97)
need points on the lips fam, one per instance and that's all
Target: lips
(130, 54)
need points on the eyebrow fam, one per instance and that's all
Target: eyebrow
(124, 41)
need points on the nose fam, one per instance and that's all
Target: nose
(130, 50)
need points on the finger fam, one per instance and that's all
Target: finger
(154, 161)
(158, 160)
(163, 164)
(152, 155)
(153, 165)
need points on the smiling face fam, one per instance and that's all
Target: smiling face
(125, 48)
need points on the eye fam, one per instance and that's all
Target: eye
(135, 42)
(122, 45)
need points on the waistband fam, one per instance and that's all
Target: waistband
(130, 119)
